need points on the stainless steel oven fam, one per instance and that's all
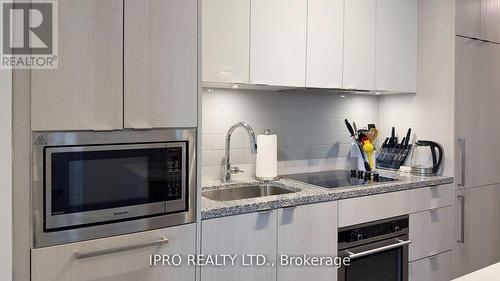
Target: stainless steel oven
(377, 251)
(94, 184)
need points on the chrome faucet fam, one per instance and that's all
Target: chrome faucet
(228, 170)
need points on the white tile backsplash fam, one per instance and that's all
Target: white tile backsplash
(309, 125)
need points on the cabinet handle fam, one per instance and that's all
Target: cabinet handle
(462, 162)
(86, 255)
(461, 198)
(433, 210)
(143, 126)
(102, 129)
(433, 256)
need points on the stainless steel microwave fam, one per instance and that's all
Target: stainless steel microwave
(95, 184)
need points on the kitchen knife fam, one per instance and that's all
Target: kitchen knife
(405, 145)
(402, 144)
(355, 128)
(349, 127)
(391, 139)
(386, 141)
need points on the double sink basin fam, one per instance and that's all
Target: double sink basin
(246, 192)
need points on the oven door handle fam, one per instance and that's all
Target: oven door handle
(399, 243)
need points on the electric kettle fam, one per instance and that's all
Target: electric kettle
(424, 161)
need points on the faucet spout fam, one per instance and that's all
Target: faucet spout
(228, 170)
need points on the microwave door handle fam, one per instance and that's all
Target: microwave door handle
(399, 243)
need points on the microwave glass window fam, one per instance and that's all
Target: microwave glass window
(94, 180)
(385, 266)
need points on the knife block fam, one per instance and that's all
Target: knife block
(392, 158)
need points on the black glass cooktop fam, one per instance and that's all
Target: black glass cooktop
(338, 178)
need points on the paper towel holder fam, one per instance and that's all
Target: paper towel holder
(267, 132)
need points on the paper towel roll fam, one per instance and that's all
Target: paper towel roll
(267, 157)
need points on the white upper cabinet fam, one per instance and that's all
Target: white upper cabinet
(85, 92)
(490, 20)
(161, 63)
(396, 47)
(355, 44)
(359, 42)
(226, 41)
(468, 18)
(278, 42)
(325, 35)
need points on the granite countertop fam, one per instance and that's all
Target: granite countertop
(308, 194)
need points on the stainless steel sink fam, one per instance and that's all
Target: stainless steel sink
(261, 190)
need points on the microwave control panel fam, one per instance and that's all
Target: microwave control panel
(174, 173)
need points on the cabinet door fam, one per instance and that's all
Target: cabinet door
(435, 268)
(240, 235)
(359, 42)
(475, 102)
(487, 131)
(365, 209)
(431, 232)
(85, 92)
(278, 42)
(467, 97)
(468, 18)
(396, 47)
(490, 20)
(480, 244)
(439, 196)
(59, 263)
(161, 61)
(325, 37)
(226, 41)
(307, 230)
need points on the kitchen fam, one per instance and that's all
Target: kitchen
(269, 133)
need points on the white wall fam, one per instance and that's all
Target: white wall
(310, 128)
(5, 175)
(430, 113)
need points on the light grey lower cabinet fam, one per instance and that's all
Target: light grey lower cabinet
(478, 221)
(433, 268)
(82, 262)
(308, 230)
(431, 232)
(303, 230)
(253, 233)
